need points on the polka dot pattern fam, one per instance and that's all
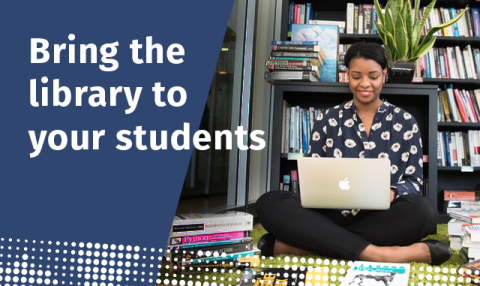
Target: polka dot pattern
(32, 262)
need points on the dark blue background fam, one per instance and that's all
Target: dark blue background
(106, 195)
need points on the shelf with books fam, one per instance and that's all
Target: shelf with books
(322, 95)
(418, 100)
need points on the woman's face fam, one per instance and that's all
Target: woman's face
(366, 79)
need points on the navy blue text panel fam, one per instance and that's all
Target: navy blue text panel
(99, 103)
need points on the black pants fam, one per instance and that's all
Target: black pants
(329, 233)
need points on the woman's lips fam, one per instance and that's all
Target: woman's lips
(365, 92)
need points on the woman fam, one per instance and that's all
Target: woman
(365, 127)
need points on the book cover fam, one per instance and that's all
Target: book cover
(328, 36)
(469, 217)
(376, 273)
(282, 276)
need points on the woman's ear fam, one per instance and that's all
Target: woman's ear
(384, 75)
(347, 73)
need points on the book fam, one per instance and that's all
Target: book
(191, 224)
(459, 196)
(297, 48)
(283, 276)
(349, 17)
(340, 24)
(473, 232)
(461, 206)
(328, 36)
(288, 63)
(291, 75)
(203, 238)
(215, 251)
(469, 217)
(231, 257)
(368, 273)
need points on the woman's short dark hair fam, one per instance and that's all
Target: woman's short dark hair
(366, 50)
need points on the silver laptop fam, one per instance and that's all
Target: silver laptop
(346, 183)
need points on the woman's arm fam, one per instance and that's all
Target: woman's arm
(317, 146)
(411, 180)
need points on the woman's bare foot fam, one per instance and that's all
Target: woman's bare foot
(283, 248)
(417, 252)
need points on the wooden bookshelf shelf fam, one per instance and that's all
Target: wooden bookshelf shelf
(457, 83)
(458, 125)
(457, 169)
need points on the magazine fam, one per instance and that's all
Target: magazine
(377, 273)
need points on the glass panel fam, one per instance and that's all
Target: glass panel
(206, 182)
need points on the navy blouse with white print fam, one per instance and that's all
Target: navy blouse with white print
(394, 134)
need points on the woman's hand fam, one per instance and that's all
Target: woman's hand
(393, 195)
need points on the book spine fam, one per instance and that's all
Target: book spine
(229, 257)
(295, 13)
(287, 130)
(294, 54)
(447, 63)
(292, 68)
(476, 21)
(202, 252)
(290, 75)
(296, 43)
(355, 19)
(287, 63)
(446, 108)
(468, 20)
(303, 48)
(453, 14)
(203, 238)
(350, 19)
(460, 217)
(461, 66)
(442, 63)
(308, 12)
(374, 20)
(367, 18)
(291, 12)
(461, 107)
(360, 19)
(210, 244)
(292, 130)
(452, 104)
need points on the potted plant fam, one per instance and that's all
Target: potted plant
(400, 29)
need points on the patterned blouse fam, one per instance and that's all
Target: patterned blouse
(339, 132)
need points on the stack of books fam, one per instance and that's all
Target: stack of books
(212, 240)
(464, 230)
(299, 61)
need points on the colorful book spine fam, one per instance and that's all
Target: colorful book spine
(203, 238)
(453, 14)
(291, 9)
(476, 20)
(308, 12)
(296, 43)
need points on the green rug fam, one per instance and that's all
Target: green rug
(420, 273)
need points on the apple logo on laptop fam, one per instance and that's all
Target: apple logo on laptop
(344, 185)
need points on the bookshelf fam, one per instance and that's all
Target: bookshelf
(420, 99)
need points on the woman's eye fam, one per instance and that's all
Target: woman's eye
(356, 78)
(374, 77)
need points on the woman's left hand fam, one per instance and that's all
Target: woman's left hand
(393, 195)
